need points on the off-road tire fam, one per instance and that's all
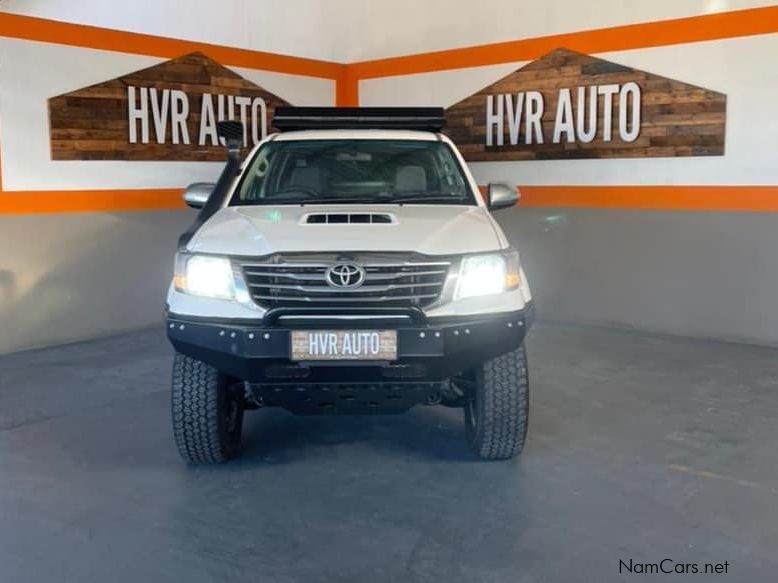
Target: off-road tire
(207, 412)
(497, 408)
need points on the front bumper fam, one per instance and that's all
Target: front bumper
(429, 350)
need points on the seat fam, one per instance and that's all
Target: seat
(307, 177)
(410, 179)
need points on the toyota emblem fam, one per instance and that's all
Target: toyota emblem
(345, 275)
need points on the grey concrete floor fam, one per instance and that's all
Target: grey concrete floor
(641, 447)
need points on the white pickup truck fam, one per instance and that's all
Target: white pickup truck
(348, 264)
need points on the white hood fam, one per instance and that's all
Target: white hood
(427, 229)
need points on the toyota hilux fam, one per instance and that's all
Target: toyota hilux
(347, 264)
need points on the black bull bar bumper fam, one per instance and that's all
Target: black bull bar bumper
(428, 350)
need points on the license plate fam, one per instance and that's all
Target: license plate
(344, 345)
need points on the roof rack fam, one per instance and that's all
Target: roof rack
(430, 119)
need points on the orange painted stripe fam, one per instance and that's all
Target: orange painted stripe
(707, 27)
(79, 35)
(78, 201)
(347, 89)
(664, 198)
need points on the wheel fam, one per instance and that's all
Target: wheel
(207, 412)
(497, 406)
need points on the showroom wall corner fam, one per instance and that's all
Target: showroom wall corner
(88, 236)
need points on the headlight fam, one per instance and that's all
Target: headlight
(203, 275)
(482, 275)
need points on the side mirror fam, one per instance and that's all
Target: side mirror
(501, 196)
(196, 195)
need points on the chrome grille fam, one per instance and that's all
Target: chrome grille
(390, 280)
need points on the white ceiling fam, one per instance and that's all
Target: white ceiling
(353, 30)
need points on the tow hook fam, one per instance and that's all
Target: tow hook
(251, 397)
(434, 398)
(450, 394)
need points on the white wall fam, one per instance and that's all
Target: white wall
(741, 68)
(411, 26)
(33, 72)
(355, 30)
(306, 28)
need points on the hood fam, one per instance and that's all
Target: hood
(427, 229)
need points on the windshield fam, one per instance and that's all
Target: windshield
(354, 171)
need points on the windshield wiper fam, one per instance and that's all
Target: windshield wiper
(387, 199)
(427, 198)
(344, 200)
(380, 199)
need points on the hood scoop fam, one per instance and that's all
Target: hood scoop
(336, 218)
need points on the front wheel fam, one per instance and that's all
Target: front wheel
(497, 406)
(207, 411)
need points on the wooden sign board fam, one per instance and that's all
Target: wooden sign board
(165, 112)
(569, 105)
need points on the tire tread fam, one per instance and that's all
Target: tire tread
(503, 413)
(195, 410)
